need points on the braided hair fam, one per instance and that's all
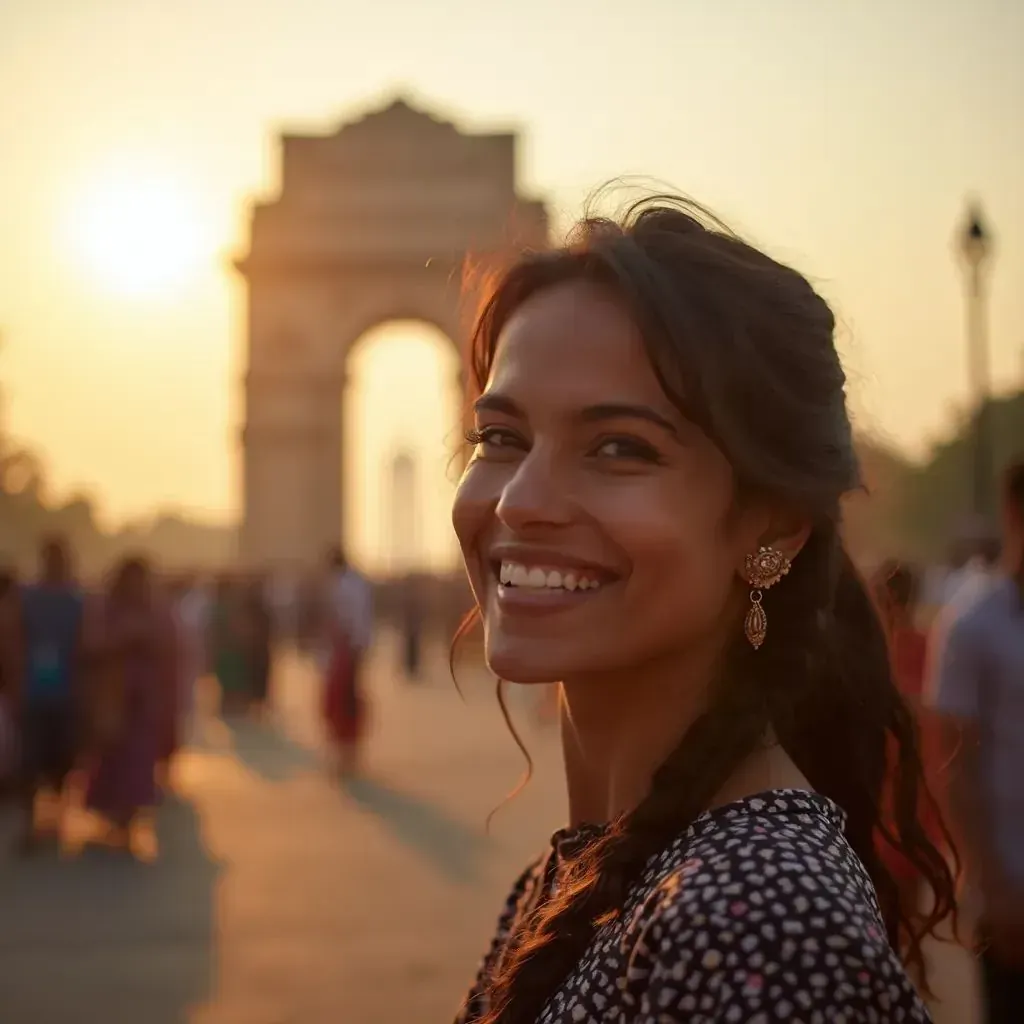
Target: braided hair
(744, 347)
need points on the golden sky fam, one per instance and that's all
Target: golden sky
(845, 137)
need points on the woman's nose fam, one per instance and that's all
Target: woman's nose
(539, 493)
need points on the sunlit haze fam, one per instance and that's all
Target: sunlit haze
(136, 234)
(846, 138)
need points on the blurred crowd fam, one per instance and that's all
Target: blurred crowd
(957, 643)
(98, 683)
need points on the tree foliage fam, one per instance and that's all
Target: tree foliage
(937, 497)
(915, 510)
(27, 515)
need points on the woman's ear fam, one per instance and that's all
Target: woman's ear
(788, 534)
(785, 530)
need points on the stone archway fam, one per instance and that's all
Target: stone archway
(372, 224)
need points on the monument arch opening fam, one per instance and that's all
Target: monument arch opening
(401, 429)
(373, 224)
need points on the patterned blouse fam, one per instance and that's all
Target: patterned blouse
(759, 912)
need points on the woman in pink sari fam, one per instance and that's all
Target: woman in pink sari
(135, 685)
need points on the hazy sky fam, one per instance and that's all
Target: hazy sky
(844, 136)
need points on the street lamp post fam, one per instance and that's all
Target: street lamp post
(975, 245)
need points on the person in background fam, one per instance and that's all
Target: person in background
(309, 614)
(193, 620)
(975, 565)
(49, 696)
(897, 586)
(133, 647)
(229, 645)
(413, 613)
(282, 599)
(259, 640)
(896, 590)
(348, 631)
(10, 669)
(169, 591)
(977, 689)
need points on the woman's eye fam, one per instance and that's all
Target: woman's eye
(625, 448)
(493, 438)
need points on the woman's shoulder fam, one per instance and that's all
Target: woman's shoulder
(779, 850)
(763, 904)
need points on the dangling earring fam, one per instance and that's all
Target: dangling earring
(761, 571)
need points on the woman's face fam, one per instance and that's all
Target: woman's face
(595, 521)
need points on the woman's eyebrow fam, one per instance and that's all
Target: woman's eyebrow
(493, 401)
(627, 410)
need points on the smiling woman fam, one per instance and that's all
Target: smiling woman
(660, 436)
(137, 235)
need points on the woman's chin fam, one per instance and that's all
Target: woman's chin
(520, 667)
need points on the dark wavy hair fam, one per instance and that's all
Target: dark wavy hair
(744, 347)
(897, 586)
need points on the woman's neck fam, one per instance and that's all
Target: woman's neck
(617, 728)
(616, 733)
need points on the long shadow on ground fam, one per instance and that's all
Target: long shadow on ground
(102, 937)
(266, 751)
(452, 849)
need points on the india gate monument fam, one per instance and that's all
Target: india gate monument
(373, 223)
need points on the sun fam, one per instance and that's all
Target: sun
(137, 235)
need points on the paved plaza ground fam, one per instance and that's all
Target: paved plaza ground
(279, 896)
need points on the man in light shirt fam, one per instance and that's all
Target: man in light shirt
(348, 633)
(350, 602)
(977, 689)
(981, 569)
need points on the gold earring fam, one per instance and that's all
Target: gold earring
(761, 570)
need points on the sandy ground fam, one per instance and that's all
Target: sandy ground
(272, 894)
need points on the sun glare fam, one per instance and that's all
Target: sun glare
(137, 235)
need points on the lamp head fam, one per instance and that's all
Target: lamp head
(975, 240)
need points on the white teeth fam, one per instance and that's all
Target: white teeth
(516, 575)
(537, 578)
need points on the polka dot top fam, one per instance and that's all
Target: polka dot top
(759, 912)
